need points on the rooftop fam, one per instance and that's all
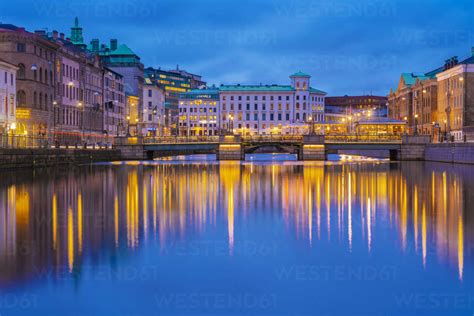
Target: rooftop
(264, 88)
(300, 74)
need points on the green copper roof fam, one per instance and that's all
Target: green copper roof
(122, 50)
(200, 94)
(256, 88)
(410, 78)
(312, 90)
(264, 88)
(300, 74)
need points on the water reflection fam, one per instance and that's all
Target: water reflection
(58, 220)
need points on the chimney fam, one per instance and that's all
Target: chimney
(40, 32)
(113, 44)
(61, 36)
(95, 45)
(55, 35)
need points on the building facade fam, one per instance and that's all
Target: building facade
(253, 109)
(35, 57)
(456, 99)
(153, 109)
(346, 105)
(115, 123)
(199, 113)
(7, 98)
(415, 102)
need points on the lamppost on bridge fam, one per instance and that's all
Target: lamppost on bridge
(128, 126)
(415, 132)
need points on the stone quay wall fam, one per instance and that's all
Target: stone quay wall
(37, 158)
(462, 153)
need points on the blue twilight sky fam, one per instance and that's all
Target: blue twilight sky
(348, 46)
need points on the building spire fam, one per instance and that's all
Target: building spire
(76, 33)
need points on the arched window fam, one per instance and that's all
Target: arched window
(41, 74)
(21, 98)
(21, 72)
(46, 76)
(35, 99)
(45, 101)
(40, 100)
(304, 117)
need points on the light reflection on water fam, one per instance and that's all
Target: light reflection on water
(292, 233)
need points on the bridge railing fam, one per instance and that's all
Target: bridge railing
(268, 139)
(363, 138)
(180, 139)
(272, 138)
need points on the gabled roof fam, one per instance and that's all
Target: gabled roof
(300, 74)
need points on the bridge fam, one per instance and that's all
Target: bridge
(307, 147)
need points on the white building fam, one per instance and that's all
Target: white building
(153, 109)
(199, 113)
(253, 109)
(7, 97)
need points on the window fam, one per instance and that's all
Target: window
(150, 93)
(21, 71)
(21, 98)
(21, 47)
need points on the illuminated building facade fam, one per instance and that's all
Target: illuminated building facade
(153, 109)
(271, 109)
(456, 98)
(133, 115)
(7, 97)
(35, 57)
(353, 105)
(199, 113)
(173, 83)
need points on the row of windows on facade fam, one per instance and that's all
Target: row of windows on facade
(263, 107)
(6, 76)
(109, 83)
(38, 51)
(264, 116)
(41, 75)
(263, 98)
(71, 117)
(256, 117)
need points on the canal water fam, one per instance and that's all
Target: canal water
(268, 236)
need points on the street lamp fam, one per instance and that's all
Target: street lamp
(310, 119)
(80, 105)
(128, 126)
(416, 125)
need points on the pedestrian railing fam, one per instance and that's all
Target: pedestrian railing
(25, 142)
(180, 139)
(17, 141)
(363, 138)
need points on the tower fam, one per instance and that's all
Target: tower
(300, 81)
(76, 33)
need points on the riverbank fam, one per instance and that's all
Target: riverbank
(18, 158)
